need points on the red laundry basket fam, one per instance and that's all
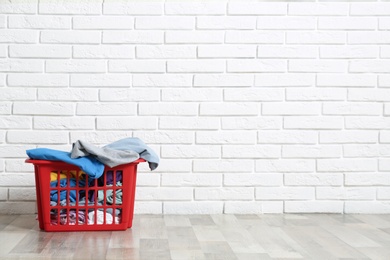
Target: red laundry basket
(68, 200)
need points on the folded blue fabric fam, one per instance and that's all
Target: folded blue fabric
(88, 164)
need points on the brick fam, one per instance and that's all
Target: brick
(225, 137)
(312, 151)
(37, 80)
(194, 37)
(257, 8)
(100, 137)
(384, 164)
(367, 207)
(284, 51)
(165, 80)
(103, 51)
(3, 194)
(166, 52)
(37, 137)
(355, 108)
(254, 94)
(311, 65)
(385, 52)
(135, 66)
(43, 108)
(16, 94)
(15, 122)
(195, 8)
(165, 137)
(188, 123)
(367, 122)
(281, 108)
(133, 8)
(368, 37)
(175, 165)
(367, 179)
(59, 7)
(315, 94)
(253, 179)
(227, 51)
(191, 208)
(123, 94)
(251, 123)
(346, 80)
(165, 22)
(5, 108)
(18, 166)
(384, 23)
(287, 137)
(103, 22)
(18, 207)
(381, 66)
(2, 81)
(286, 23)
(106, 109)
(64, 123)
(285, 193)
(256, 37)
(313, 122)
(18, 36)
(285, 165)
(370, 9)
(383, 193)
(316, 37)
(226, 22)
(253, 207)
(19, 7)
(148, 207)
(384, 137)
(345, 193)
(179, 94)
(126, 122)
(346, 137)
(70, 37)
(2, 137)
(3, 52)
(347, 23)
(22, 194)
(318, 9)
(366, 150)
(39, 22)
(224, 165)
(387, 110)
(346, 52)
(40, 51)
(67, 94)
(196, 66)
(263, 65)
(174, 109)
(224, 109)
(313, 207)
(148, 179)
(141, 37)
(250, 151)
(75, 66)
(223, 80)
(285, 80)
(191, 180)
(166, 194)
(190, 151)
(313, 179)
(346, 165)
(224, 193)
(100, 80)
(384, 80)
(11, 65)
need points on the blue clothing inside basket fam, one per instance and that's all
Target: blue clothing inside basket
(64, 183)
(88, 164)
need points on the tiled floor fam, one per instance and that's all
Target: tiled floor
(290, 236)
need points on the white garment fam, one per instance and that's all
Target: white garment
(99, 218)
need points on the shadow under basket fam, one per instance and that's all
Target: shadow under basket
(68, 200)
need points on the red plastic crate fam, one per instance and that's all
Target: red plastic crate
(81, 207)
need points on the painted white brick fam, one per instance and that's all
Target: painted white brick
(18, 207)
(174, 165)
(257, 8)
(368, 37)
(317, 179)
(384, 80)
(103, 22)
(19, 122)
(135, 66)
(345, 52)
(70, 37)
(195, 8)
(346, 80)
(165, 80)
(225, 137)
(381, 66)
(224, 165)
(75, 66)
(285, 80)
(100, 80)
(226, 22)
(8, 65)
(194, 37)
(285, 165)
(17, 94)
(100, 137)
(2, 137)
(2, 81)
(384, 193)
(253, 179)
(263, 65)
(189, 123)
(384, 23)
(165, 22)
(227, 51)
(18, 166)
(3, 21)
(151, 193)
(3, 52)
(385, 51)
(285, 193)
(191, 94)
(347, 23)
(345, 193)
(133, 8)
(191, 208)
(196, 66)
(122, 94)
(166, 52)
(343, 108)
(317, 37)
(318, 9)
(370, 9)
(287, 137)
(257, 37)
(224, 194)
(106, 109)
(250, 151)
(37, 80)
(251, 123)
(174, 109)
(165, 137)
(39, 22)
(311, 65)
(67, 94)
(285, 51)
(140, 37)
(367, 207)
(295, 108)
(59, 7)
(367, 122)
(43, 108)
(314, 207)
(39, 51)
(346, 165)
(286, 23)
(367, 179)
(191, 180)
(366, 150)
(19, 7)
(19, 36)
(223, 80)
(3, 194)
(384, 164)
(315, 94)
(104, 51)
(224, 109)
(5, 108)
(313, 122)
(148, 207)
(384, 137)
(387, 110)
(22, 194)
(37, 137)
(348, 137)
(254, 94)
(249, 207)
(126, 122)
(190, 151)
(64, 123)
(148, 179)
(306, 151)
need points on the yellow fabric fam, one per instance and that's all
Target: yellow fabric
(64, 174)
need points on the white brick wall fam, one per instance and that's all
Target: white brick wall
(254, 107)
